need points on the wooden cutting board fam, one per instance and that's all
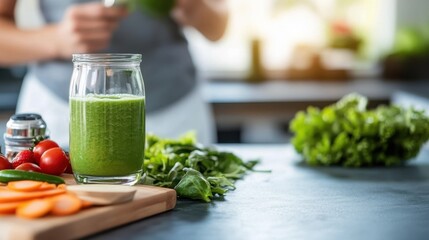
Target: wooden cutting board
(147, 201)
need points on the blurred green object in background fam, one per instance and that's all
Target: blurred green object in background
(409, 42)
(156, 7)
(409, 56)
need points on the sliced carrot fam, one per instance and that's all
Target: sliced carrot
(66, 204)
(9, 208)
(34, 208)
(86, 204)
(62, 186)
(24, 185)
(15, 196)
(47, 186)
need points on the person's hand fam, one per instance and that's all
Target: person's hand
(191, 12)
(86, 28)
(186, 11)
(208, 16)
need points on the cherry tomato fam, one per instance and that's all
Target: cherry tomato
(41, 147)
(4, 163)
(69, 167)
(54, 161)
(29, 167)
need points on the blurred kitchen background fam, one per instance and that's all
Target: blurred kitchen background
(280, 56)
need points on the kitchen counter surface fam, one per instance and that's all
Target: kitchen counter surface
(295, 201)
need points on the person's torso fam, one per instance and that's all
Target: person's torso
(167, 68)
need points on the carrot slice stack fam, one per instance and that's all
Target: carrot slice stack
(66, 204)
(24, 185)
(34, 209)
(33, 199)
(9, 208)
(15, 196)
(47, 186)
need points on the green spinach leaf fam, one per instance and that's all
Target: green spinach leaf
(195, 171)
(193, 185)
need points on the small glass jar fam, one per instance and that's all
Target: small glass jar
(21, 130)
(107, 118)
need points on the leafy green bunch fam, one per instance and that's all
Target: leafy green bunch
(348, 134)
(194, 171)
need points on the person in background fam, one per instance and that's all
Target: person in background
(174, 103)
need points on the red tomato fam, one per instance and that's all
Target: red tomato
(69, 167)
(29, 167)
(4, 163)
(41, 147)
(54, 161)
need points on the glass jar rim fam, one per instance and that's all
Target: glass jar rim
(107, 57)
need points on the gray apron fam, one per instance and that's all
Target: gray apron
(168, 71)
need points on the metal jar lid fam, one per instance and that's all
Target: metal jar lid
(25, 126)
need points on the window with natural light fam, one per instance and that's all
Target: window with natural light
(287, 30)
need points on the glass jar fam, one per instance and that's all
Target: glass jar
(21, 131)
(107, 118)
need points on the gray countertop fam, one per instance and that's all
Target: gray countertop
(295, 201)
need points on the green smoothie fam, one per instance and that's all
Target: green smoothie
(107, 134)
